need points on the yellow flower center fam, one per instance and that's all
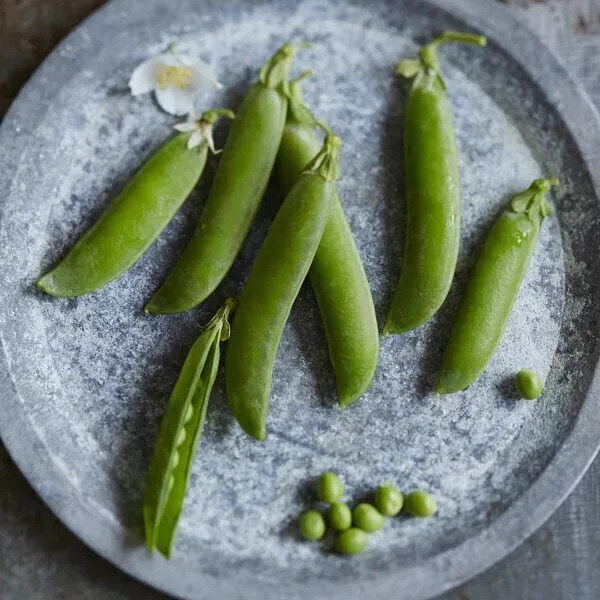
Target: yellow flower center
(169, 76)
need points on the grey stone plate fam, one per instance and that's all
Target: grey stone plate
(84, 381)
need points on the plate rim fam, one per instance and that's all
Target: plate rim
(443, 571)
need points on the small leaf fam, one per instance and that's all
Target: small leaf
(533, 213)
(547, 209)
(409, 67)
(520, 202)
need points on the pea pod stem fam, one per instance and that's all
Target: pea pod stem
(180, 433)
(460, 38)
(336, 274)
(272, 286)
(136, 217)
(493, 287)
(428, 58)
(432, 192)
(236, 193)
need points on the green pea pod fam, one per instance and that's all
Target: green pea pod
(272, 286)
(180, 433)
(136, 216)
(493, 287)
(238, 188)
(432, 192)
(336, 274)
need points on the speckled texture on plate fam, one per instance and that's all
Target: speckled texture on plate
(89, 376)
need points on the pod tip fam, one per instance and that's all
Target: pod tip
(254, 430)
(150, 309)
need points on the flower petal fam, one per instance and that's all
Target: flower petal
(203, 75)
(142, 79)
(208, 135)
(187, 126)
(175, 101)
(195, 139)
(169, 59)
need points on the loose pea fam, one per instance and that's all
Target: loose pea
(529, 384)
(339, 516)
(330, 488)
(351, 541)
(420, 504)
(367, 517)
(312, 525)
(388, 500)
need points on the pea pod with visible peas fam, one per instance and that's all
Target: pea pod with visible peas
(136, 216)
(493, 287)
(337, 275)
(272, 286)
(238, 188)
(432, 191)
(180, 433)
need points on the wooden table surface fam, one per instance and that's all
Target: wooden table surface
(41, 560)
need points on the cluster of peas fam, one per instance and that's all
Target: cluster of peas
(352, 526)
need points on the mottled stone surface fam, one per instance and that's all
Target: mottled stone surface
(96, 392)
(29, 29)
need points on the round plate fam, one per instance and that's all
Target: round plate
(84, 381)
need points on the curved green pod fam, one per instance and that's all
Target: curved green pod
(180, 433)
(272, 286)
(337, 275)
(493, 287)
(432, 192)
(135, 217)
(238, 188)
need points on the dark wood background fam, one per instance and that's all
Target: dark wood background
(41, 560)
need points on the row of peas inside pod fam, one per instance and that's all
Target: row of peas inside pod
(351, 526)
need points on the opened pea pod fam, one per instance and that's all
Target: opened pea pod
(138, 214)
(432, 191)
(238, 188)
(272, 286)
(180, 433)
(492, 288)
(337, 275)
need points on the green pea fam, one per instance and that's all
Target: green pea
(278, 272)
(339, 516)
(420, 504)
(312, 525)
(492, 288)
(432, 191)
(330, 488)
(237, 190)
(337, 275)
(367, 517)
(388, 500)
(135, 218)
(351, 541)
(529, 384)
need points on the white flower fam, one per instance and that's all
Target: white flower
(175, 79)
(202, 127)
